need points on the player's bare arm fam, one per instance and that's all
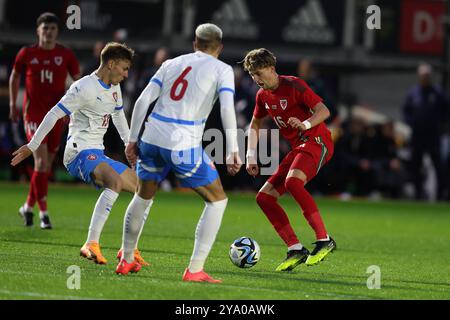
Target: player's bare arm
(14, 84)
(252, 165)
(321, 113)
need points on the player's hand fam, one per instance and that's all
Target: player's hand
(296, 124)
(234, 163)
(252, 166)
(14, 114)
(20, 154)
(252, 169)
(131, 153)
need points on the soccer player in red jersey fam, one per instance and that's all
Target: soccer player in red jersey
(300, 115)
(45, 65)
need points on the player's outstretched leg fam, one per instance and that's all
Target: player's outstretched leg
(134, 219)
(106, 176)
(205, 235)
(267, 199)
(137, 254)
(207, 228)
(324, 244)
(132, 226)
(322, 249)
(91, 249)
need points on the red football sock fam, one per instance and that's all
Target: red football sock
(277, 217)
(296, 188)
(31, 198)
(41, 189)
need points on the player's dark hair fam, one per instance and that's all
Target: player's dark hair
(47, 17)
(116, 51)
(258, 59)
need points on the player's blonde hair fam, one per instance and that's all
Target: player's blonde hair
(258, 59)
(116, 51)
(208, 36)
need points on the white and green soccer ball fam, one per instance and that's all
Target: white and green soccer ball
(244, 252)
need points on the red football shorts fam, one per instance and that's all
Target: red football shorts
(307, 157)
(53, 139)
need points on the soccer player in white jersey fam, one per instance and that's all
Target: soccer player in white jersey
(186, 88)
(91, 102)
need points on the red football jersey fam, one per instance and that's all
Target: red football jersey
(45, 77)
(292, 98)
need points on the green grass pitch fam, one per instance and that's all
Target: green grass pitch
(408, 241)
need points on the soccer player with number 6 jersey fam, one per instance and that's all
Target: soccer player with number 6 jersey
(300, 114)
(186, 88)
(45, 65)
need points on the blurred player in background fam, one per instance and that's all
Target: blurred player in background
(424, 111)
(46, 65)
(186, 88)
(300, 115)
(91, 102)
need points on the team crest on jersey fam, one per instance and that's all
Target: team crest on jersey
(58, 60)
(283, 104)
(92, 157)
(115, 96)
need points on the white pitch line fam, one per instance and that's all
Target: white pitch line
(43, 295)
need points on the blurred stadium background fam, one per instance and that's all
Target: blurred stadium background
(363, 75)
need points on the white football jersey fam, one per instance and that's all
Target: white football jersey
(90, 103)
(190, 84)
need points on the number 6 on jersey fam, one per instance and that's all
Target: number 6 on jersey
(180, 81)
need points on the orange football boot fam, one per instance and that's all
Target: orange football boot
(124, 267)
(200, 276)
(137, 257)
(91, 251)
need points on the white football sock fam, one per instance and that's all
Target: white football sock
(297, 246)
(205, 234)
(101, 213)
(26, 207)
(42, 214)
(144, 218)
(133, 224)
(326, 239)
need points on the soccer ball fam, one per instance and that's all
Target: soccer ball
(244, 252)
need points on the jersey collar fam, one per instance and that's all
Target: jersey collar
(104, 85)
